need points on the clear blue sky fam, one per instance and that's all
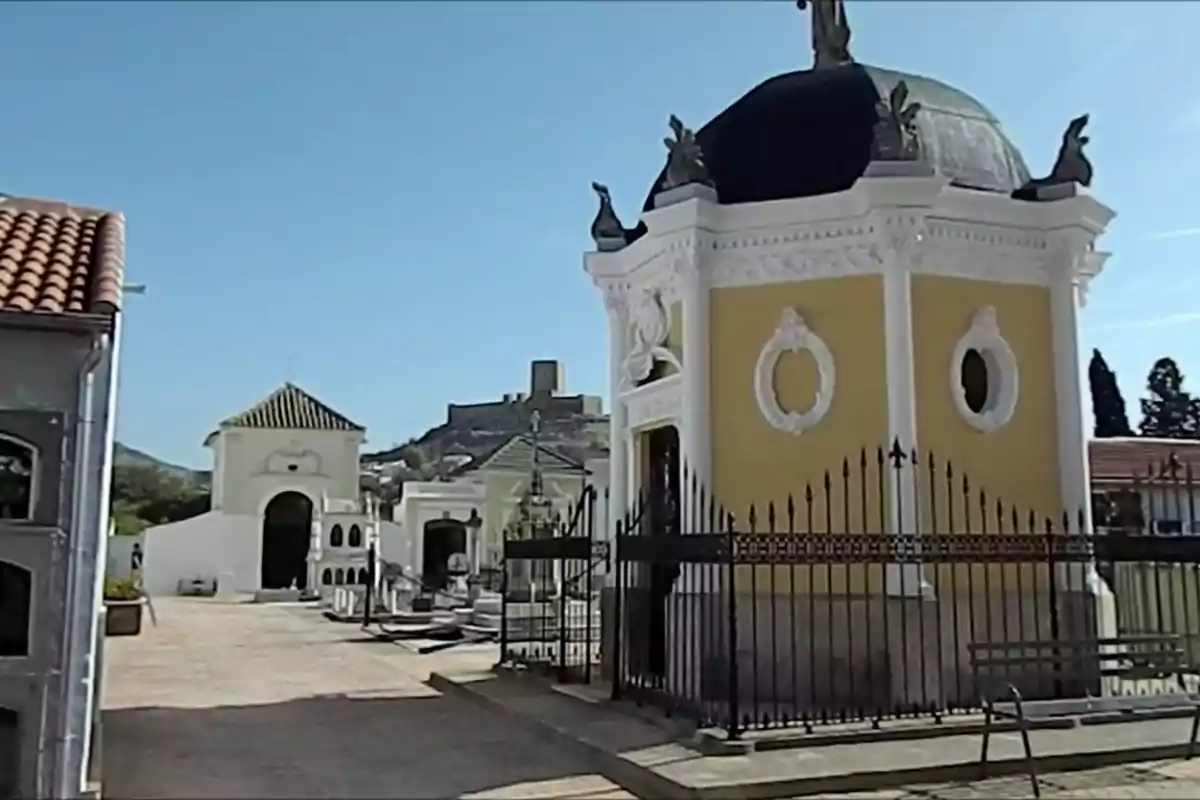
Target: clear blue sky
(394, 196)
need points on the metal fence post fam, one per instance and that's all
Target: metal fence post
(732, 727)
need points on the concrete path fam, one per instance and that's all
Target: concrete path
(232, 700)
(1146, 781)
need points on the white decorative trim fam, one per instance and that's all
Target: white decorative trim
(793, 335)
(655, 402)
(651, 326)
(1003, 381)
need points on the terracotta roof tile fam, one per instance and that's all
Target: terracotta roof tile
(1124, 459)
(60, 259)
(291, 408)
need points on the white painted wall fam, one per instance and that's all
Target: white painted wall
(215, 544)
(252, 466)
(117, 559)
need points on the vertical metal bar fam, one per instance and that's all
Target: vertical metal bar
(1051, 561)
(793, 553)
(618, 567)
(732, 728)
(368, 594)
(937, 574)
(896, 458)
(865, 600)
(827, 599)
(591, 585)
(884, 536)
(926, 703)
(774, 548)
(851, 667)
(504, 658)
(755, 719)
(810, 545)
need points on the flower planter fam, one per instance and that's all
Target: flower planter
(123, 617)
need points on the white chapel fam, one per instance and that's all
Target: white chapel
(286, 506)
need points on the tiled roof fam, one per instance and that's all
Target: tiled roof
(1124, 459)
(291, 408)
(60, 259)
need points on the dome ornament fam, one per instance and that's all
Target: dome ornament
(791, 336)
(830, 33)
(896, 137)
(685, 159)
(1071, 167)
(607, 231)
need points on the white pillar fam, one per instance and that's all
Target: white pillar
(904, 514)
(696, 389)
(1072, 441)
(1074, 479)
(618, 435)
(619, 453)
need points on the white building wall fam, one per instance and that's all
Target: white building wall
(255, 465)
(212, 545)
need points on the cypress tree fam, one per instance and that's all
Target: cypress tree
(1108, 407)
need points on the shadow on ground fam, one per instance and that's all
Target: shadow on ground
(362, 746)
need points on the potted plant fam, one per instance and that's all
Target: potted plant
(123, 601)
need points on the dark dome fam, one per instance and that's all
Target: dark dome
(809, 133)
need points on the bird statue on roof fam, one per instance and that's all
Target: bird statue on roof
(830, 33)
(607, 231)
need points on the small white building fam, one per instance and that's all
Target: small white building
(469, 513)
(282, 469)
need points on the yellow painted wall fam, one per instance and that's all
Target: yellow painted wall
(1019, 462)
(755, 463)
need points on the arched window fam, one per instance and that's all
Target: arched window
(327, 577)
(16, 590)
(339, 577)
(335, 536)
(355, 536)
(363, 577)
(17, 471)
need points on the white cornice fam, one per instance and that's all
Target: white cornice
(943, 230)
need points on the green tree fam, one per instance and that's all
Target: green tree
(144, 495)
(1108, 407)
(1169, 412)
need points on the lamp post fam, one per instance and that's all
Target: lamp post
(474, 523)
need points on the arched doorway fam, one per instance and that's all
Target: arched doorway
(287, 525)
(442, 539)
(16, 589)
(10, 752)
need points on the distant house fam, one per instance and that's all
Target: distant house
(61, 272)
(1146, 484)
(286, 506)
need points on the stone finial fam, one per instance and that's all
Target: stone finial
(1071, 167)
(607, 231)
(685, 159)
(830, 33)
(896, 136)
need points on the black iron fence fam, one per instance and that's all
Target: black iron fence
(550, 606)
(812, 611)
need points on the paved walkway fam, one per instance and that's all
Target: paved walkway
(228, 700)
(1146, 781)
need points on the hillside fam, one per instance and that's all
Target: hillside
(126, 456)
(445, 447)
